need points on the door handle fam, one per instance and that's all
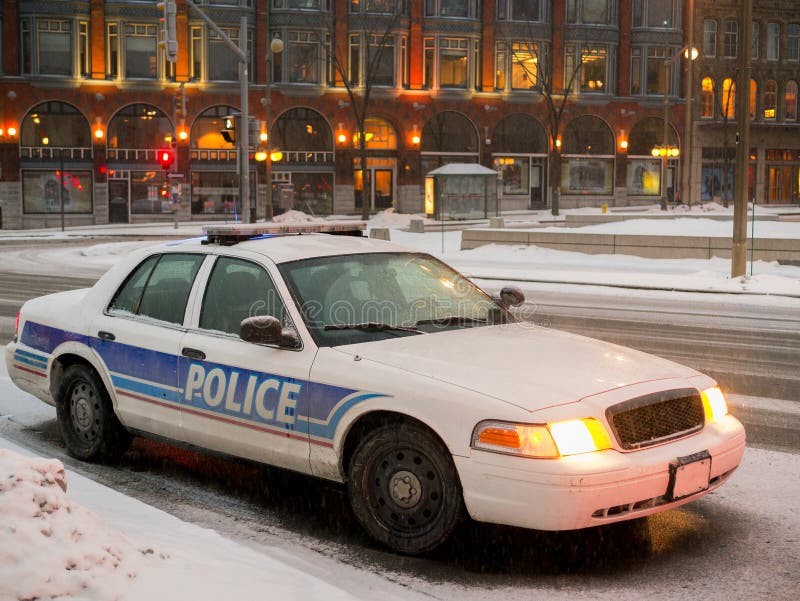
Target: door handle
(106, 335)
(193, 353)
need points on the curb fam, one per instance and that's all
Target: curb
(770, 422)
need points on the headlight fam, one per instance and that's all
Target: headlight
(714, 404)
(541, 441)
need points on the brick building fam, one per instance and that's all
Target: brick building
(87, 99)
(774, 129)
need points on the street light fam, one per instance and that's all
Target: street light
(275, 47)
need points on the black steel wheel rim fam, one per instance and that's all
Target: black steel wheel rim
(406, 490)
(84, 412)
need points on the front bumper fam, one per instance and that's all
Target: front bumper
(590, 489)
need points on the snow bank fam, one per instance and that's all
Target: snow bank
(293, 216)
(51, 547)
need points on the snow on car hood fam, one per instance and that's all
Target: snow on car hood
(531, 367)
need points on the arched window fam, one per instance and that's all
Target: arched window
(790, 101)
(770, 99)
(380, 135)
(588, 165)
(520, 134)
(302, 129)
(728, 100)
(55, 124)
(707, 98)
(139, 126)
(207, 128)
(449, 131)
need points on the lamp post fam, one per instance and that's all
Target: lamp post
(686, 172)
(275, 47)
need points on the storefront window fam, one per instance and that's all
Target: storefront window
(215, 193)
(44, 190)
(644, 177)
(588, 161)
(145, 187)
(516, 175)
(313, 192)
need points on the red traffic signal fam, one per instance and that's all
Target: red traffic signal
(166, 157)
(164, 191)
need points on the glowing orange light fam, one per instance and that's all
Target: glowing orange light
(12, 131)
(98, 133)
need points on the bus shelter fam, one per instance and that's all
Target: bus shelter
(461, 191)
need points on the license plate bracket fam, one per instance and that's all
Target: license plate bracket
(689, 475)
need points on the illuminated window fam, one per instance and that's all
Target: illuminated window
(770, 99)
(453, 63)
(728, 99)
(790, 101)
(302, 57)
(524, 66)
(753, 94)
(594, 69)
(707, 98)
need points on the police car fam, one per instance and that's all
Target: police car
(363, 362)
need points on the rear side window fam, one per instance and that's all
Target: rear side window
(237, 290)
(159, 287)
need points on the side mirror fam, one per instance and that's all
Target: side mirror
(511, 296)
(266, 329)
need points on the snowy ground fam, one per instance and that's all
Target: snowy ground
(532, 264)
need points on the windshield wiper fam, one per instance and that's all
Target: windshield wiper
(372, 325)
(451, 320)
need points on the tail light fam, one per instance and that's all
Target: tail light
(16, 325)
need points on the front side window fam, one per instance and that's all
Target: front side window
(159, 288)
(407, 293)
(236, 290)
(731, 38)
(773, 41)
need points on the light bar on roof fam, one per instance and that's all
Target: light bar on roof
(231, 234)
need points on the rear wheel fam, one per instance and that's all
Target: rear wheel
(88, 424)
(404, 488)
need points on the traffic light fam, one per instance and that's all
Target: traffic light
(164, 191)
(229, 129)
(166, 156)
(169, 39)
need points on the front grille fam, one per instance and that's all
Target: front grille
(656, 418)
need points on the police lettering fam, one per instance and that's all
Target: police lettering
(218, 390)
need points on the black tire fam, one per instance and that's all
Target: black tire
(86, 417)
(404, 488)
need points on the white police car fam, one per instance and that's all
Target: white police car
(360, 361)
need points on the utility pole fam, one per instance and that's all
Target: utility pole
(686, 172)
(741, 170)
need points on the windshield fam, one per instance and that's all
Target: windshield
(359, 298)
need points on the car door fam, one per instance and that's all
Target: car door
(138, 337)
(239, 397)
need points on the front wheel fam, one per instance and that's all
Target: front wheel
(88, 424)
(404, 488)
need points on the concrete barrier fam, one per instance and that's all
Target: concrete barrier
(379, 233)
(417, 226)
(579, 219)
(655, 247)
(496, 222)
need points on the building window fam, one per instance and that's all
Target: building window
(731, 38)
(112, 51)
(295, 4)
(386, 7)
(50, 51)
(658, 75)
(790, 101)
(430, 49)
(773, 41)
(453, 62)
(728, 99)
(47, 191)
(754, 40)
(141, 51)
(592, 68)
(656, 14)
(302, 57)
(753, 96)
(707, 98)
(379, 64)
(524, 66)
(196, 54)
(84, 57)
(354, 62)
(636, 70)
(793, 42)
(770, 99)
(519, 10)
(451, 8)
(710, 37)
(592, 12)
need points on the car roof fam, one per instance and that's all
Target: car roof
(294, 247)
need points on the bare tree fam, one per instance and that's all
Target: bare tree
(541, 73)
(362, 61)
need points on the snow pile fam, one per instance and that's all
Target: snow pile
(293, 216)
(51, 547)
(389, 218)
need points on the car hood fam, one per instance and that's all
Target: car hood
(528, 366)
